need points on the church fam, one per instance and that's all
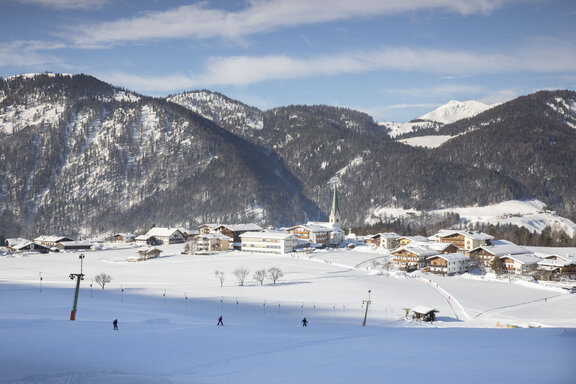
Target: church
(337, 235)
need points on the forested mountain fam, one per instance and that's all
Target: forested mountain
(80, 156)
(531, 139)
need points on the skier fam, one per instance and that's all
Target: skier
(220, 321)
(304, 322)
(115, 323)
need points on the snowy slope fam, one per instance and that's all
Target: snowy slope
(531, 214)
(445, 114)
(455, 110)
(167, 310)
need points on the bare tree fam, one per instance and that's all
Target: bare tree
(220, 276)
(275, 274)
(260, 276)
(102, 279)
(241, 274)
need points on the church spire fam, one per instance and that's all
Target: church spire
(335, 212)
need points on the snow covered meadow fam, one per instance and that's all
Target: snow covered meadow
(168, 308)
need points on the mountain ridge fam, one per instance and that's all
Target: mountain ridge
(82, 156)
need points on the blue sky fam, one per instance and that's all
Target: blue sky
(394, 59)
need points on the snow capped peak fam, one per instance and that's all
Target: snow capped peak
(445, 114)
(455, 110)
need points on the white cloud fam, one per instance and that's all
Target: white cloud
(68, 4)
(200, 22)
(26, 53)
(245, 70)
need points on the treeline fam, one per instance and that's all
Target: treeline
(423, 225)
(522, 236)
(428, 225)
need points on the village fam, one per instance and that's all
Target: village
(448, 252)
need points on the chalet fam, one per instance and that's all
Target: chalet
(486, 253)
(73, 245)
(373, 239)
(124, 238)
(405, 240)
(146, 240)
(268, 242)
(15, 241)
(207, 228)
(28, 245)
(560, 265)
(148, 253)
(51, 241)
(388, 240)
(188, 233)
(413, 256)
(422, 313)
(465, 240)
(448, 264)
(520, 264)
(235, 230)
(317, 234)
(210, 242)
(166, 235)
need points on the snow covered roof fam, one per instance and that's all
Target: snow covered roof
(417, 239)
(267, 235)
(440, 246)
(242, 227)
(210, 225)
(554, 263)
(148, 249)
(15, 241)
(504, 247)
(125, 234)
(214, 236)
(451, 256)
(469, 234)
(312, 228)
(52, 239)
(567, 258)
(390, 235)
(528, 258)
(423, 310)
(22, 245)
(162, 232)
(418, 249)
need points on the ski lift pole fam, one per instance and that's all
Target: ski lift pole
(367, 302)
(78, 276)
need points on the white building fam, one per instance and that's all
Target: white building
(268, 242)
(448, 263)
(520, 264)
(166, 235)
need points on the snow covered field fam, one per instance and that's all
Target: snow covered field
(168, 308)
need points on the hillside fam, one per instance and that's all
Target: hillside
(531, 139)
(80, 156)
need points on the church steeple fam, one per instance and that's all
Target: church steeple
(335, 211)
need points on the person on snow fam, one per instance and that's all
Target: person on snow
(304, 322)
(115, 323)
(220, 321)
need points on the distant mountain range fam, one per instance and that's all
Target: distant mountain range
(79, 156)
